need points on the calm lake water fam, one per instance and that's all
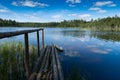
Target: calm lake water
(88, 55)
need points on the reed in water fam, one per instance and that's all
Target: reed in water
(12, 64)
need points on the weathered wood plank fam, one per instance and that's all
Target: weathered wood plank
(42, 65)
(47, 60)
(15, 33)
(38, 62)
(37, 65)
(27, 65)
(42, 38)
(50, 68)
(49, 75)
(60, 72)
(38, 43)
(55, 72)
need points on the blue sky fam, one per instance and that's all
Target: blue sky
(57, 10)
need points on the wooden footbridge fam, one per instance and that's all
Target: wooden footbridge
(47, 66)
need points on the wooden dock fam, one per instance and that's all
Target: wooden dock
(47, 66)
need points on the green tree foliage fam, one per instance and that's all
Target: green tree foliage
(109, 23)
(4, 22)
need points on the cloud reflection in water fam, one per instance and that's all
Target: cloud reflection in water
(96, 48)
(72, 53)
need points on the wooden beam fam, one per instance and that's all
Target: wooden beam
(27, 55)
(37, 65)
(55, 72)
(43, 64)
(15, 33)
(38, 43)
(42, 38)
(60, 72)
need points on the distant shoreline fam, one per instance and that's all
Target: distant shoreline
(109, 23)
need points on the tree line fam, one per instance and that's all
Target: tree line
(5, 22)
(100, 23)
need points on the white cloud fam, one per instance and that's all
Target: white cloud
(78, 1)
(113, 5)
(32, 17)
(4, 10)
(29, 3)
(95, 9)
(72, 14)
(104, 3)
(56, 16)
(73, 1)
(71, 5)
(14, 4)
(99, 10)
(102, 11)
(99, 4)
(84, 15)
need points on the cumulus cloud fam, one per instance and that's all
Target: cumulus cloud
(56, 16)
(73, 1)
(14, 3)
(29, 3)
(99, 10)
(71, 5)
(99, 4)
(104, 3)
(95, 9)
(72, 14)
(80, 16)
(112, 5)
(84, 15)
(4, 10)
(32, 17)
(102, 11)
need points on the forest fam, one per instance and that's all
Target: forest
(111, 23)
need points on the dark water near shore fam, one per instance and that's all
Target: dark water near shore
(88, 55)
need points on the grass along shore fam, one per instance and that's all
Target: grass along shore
(12, 64)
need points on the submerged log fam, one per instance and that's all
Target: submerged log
(58, 48)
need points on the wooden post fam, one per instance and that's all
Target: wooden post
(27, 56)
(42, 38)
(38, 43)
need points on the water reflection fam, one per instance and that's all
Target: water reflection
(74, 33)
(92, 52)
(108, 35)
(88, 55)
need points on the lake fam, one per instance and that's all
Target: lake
(87, 55)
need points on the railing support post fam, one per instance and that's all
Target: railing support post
(38, 43)
(27, 56)
(42, 38)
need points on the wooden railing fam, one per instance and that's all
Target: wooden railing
(26, 32)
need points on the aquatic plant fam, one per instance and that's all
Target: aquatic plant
(12, 64)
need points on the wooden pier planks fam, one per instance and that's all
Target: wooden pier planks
(48, 66)
(60, 72)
